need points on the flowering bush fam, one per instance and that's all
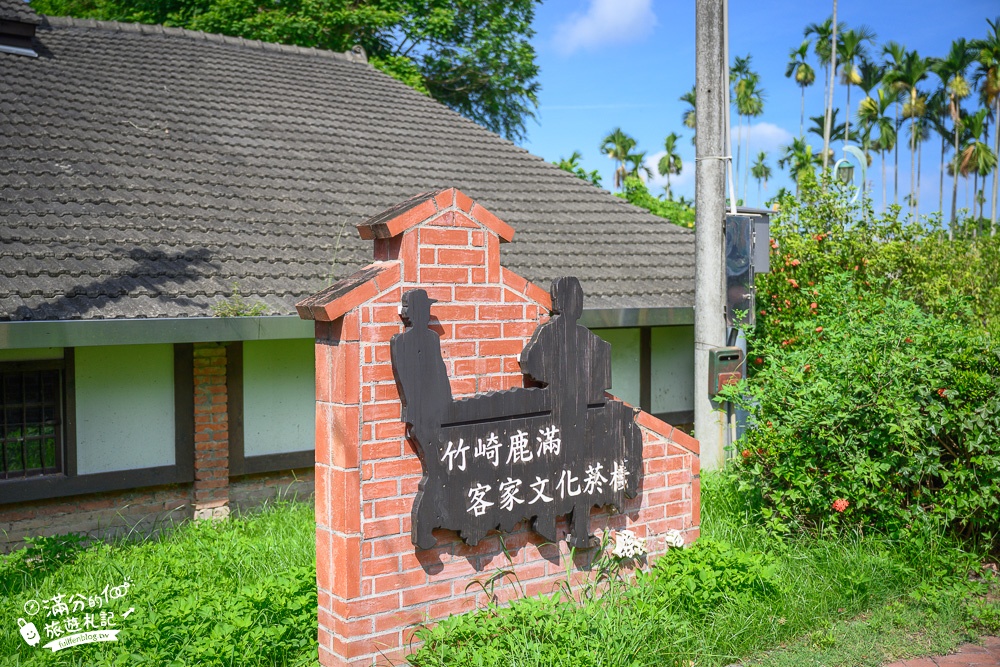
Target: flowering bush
(879, 414)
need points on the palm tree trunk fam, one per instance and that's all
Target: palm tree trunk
(746, 170)
(802, 114)
(895, 164)
(966, 207)
(739, 150)
(941, 186)
(975, 191)
(828, 120)
(913, 171)
(920, 158)
(881, 157)
(847, 121)
(996, 169)
(759, 202)
(954, 188)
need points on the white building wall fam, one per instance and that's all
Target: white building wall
(279, 396)
(672, 369)
(624, 363)
(124, 407)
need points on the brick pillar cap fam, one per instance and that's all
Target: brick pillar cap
(416, 210)
(348, 293)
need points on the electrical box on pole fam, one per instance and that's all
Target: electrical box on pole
(747, 246)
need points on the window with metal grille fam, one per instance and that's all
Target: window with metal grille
(31, 409)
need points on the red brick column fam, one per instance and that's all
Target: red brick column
(211, 432)
(374, 585)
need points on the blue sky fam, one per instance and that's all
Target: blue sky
(609, 63)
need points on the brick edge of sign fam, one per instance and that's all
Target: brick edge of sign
(375, 588)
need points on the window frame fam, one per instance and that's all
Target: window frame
(70, 483)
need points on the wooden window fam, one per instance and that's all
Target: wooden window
(32, 409)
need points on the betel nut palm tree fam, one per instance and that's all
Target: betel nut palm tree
(617, 146)
(878, 126)
(823, 49)
(804, 75)
(952, 71)
(761, 171)
(739, 76)
(894, 53)
(976, 156)
(637, 165)
(937, 116)
(799, 158)
(851, 51)
(750, 103)
(688, 118)
(670, 164)
(912, 70)
(987, 77)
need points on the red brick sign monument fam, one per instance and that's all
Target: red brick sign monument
(457, 403)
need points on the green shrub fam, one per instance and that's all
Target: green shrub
(871, 400)
(636, 193)
(697, 579)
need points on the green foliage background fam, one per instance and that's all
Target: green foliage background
(472, 55)
(636, 193)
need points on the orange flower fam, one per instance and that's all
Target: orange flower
(819, 329)
(814, 305)
(942, 392)
(839, 505)
(746, 453)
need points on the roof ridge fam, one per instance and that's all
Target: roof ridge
(355, 55)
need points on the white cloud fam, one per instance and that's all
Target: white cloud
(605, 22)
(763, 137)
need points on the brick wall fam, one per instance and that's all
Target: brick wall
(211, 432)
(374, 585)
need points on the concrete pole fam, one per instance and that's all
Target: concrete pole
(711, 85)
(828, 117)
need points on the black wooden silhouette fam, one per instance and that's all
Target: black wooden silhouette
(536, 453)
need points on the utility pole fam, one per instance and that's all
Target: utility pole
(711, 88)
(828, 119)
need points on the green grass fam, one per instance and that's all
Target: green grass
(237, 592)
(739, 594)
(242, 592)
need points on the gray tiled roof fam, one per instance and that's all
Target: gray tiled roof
(145, 170)
(19, 11)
